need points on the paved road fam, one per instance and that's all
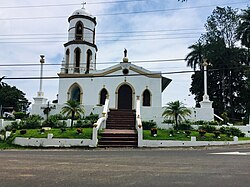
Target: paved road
(217, 166)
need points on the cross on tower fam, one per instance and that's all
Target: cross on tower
(83, 4)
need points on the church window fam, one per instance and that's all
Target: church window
(77, 60)
(79, 31)
(75, 93)
(89, 59)
(67, 61)
(146, 100)
(103, 96)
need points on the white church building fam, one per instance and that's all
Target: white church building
(80, 80)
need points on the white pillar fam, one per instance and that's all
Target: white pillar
(205, 103)
(205, 96)
(40, 92)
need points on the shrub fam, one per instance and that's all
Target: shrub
(171, 132)
(8, 128)
(213, 123)
(235, 132)
(153, 131)
(231, 131)
(52, 121)
(184, 126)
(79, 130)
(207, 128)
(42, 131)
(92, 118)
(188, 132)
(63, 130)
(23, 131)
(216, 134)
(202, 132)
(169, 121)
(200, 122)
(33, 122)
(2, 132)
(20, 115)
(147, 125)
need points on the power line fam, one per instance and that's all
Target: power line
(100, 63)
(99, 41)
(113, 36)
(108, 32)
(125, 13)
(109, 76)
(69, 4)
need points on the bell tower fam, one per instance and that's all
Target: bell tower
(80, 50)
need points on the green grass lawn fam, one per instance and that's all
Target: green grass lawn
(57, 133)
(181, 136)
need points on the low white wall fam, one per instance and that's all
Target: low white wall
(191, 143)
(164, 143)
(245, 129)
(54, 142)
(4, 123)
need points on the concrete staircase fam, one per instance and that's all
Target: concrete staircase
(120, 130)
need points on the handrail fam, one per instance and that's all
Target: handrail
(139, 122)
(138, 113)
(229, 124)
(101, 122)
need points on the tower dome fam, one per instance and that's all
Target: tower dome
(80, 50)
(82, 12)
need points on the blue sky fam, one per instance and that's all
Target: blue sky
(167, 35)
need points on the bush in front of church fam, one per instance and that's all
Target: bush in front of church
(147, 125)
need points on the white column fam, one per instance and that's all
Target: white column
(205, 96)
(40, 92)
(206, 103)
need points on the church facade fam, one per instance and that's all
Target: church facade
(80, 80)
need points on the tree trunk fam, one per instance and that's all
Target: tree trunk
(72, 119)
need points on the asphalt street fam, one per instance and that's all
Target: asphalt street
(213, 166)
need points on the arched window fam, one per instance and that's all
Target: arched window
(77, 60)
(103, 95)
(75, 93)
(146, 98)
(79, 31)
(67, 61)
(89, 59)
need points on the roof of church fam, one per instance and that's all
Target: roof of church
(82, 12)
(121, 66)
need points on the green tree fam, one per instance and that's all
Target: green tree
(226, 75)
(72, 109)
(176, 111)
(243, 31)
(10, 96)
(195, 57)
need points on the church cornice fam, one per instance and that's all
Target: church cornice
(84, 17)
(80, 42)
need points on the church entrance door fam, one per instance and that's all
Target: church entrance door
(125, 97)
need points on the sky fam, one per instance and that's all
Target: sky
(150, 30)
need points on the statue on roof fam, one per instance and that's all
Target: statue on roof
(125, 52)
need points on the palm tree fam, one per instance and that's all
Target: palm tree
(72, 108)
(243, 31)
(194, 58)
(176, 111)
